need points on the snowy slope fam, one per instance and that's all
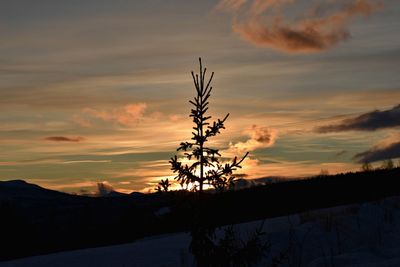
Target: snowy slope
(158, 251)
(354, 235)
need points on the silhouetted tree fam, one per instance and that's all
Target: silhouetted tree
(324, 172)
(366, 167)
(388, 164)
(205, 166)
(163, 186)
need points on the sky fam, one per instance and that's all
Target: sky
(97, 91)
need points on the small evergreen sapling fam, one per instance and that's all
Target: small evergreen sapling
(205, 166)
(163, 186)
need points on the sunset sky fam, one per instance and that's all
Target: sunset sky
(97, 91)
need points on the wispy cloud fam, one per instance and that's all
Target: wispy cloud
(71, 185)
(255, 168)
(64, 139)
(81, 121)
(231, 5)
(8, 163)
(126, 116)
(370, 121)
(341, 153)
(318, 26)
(85, 161)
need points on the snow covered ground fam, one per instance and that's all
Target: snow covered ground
(354, 235)
(157, 251)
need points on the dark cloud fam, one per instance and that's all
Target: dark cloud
(319, 27)
(370, 121)
(379, 153)
(64, 139)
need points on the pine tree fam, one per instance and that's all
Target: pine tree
(205, 166)
(388, 164)
(163, 186)
(366, 166)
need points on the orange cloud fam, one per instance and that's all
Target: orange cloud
(319, 27)
(125, 116)
(259, 138)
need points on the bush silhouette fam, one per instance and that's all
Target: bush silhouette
(205, 166)
(229, 250)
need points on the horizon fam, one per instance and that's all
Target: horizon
(98, 91)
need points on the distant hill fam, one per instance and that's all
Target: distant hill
(22, 189)
(14, 189)
(247, 183)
